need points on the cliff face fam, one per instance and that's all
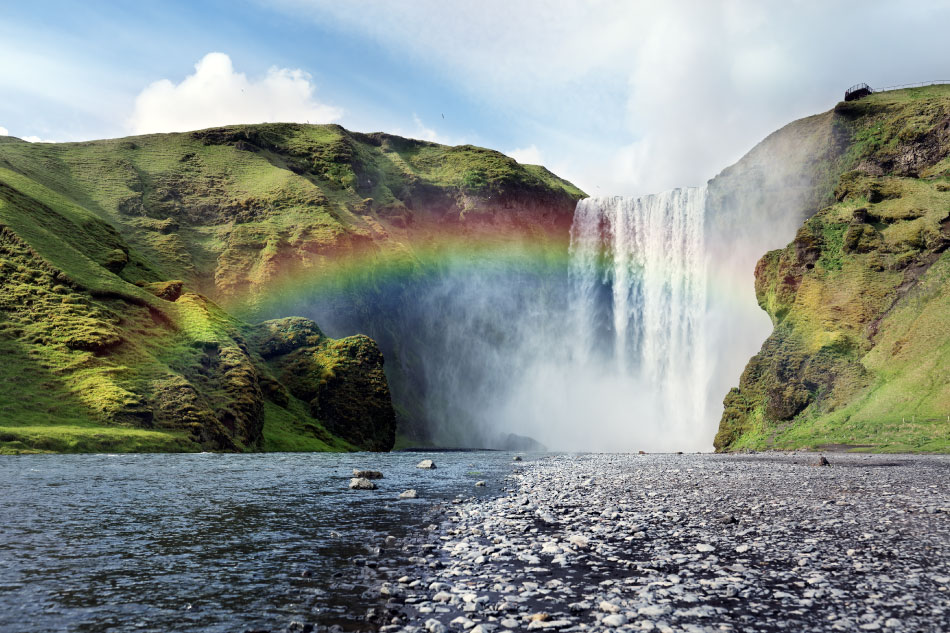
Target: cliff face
(860, 299)
(130, 268)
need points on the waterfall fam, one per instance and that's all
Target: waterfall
(637, 298)
(603, 352)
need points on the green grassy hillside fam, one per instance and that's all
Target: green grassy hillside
(130, 268)
(229, 210)
(860, 353)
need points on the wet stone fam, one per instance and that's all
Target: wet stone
(361, 483)
(690, 543)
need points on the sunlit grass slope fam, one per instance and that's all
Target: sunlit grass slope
(124, 262)
(860, 354)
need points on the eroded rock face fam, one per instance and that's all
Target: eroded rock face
(859, 298)
(167, 290)
(218, 399)
(353, 398)
(342, 380)
(282, 336)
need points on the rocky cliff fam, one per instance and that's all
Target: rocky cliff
(132, 271)
(859, 300)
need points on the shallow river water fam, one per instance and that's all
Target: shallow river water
(207, 542)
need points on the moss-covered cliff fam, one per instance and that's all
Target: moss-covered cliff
(860, 300)
(93, 363)
(129, 270)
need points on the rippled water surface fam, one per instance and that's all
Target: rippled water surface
(207, 542)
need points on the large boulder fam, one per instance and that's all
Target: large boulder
(342, 379)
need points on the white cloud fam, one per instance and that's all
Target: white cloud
(640, 96)
(530, 155)
(218, 95)
(30, 139)
(425, 133)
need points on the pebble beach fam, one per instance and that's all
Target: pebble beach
(696, 543)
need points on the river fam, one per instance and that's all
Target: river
(209, 542)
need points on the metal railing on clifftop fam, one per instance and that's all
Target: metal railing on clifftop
(920, 84)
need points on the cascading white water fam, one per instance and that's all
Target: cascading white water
(638, 298)
(607, 353)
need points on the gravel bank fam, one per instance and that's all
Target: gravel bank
(764, 542)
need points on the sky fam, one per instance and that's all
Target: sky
(621, 97)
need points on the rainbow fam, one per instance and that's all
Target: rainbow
(290, 281)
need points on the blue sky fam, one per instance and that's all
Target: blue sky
(622, 97)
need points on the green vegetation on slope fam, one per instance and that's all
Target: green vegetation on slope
(860, 354)
(115, 256)
(229, 209)
(113, 368)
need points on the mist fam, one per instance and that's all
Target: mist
(626, 339)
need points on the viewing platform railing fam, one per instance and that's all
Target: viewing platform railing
(920, 84)
(858, 91)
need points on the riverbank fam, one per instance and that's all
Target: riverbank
(763, 542)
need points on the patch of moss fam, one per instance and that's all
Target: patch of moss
(342, 381)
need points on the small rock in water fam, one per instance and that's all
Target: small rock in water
(409, 494)
(539, 617)
(705, 547)
(390, 541)
(367, 474)
(361, 483)
(426, 463)
(823, 462)
(479, 484)
(516, 458)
